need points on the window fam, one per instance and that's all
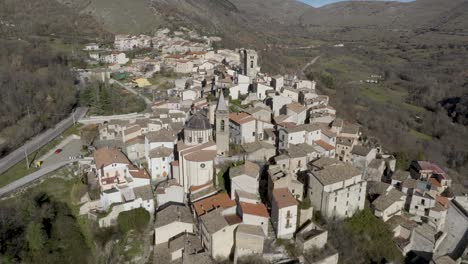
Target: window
(251, 64)
(347, 195)
(200, 140)
(422, 201)
(336, 199)
(253, 134)
(202, 165)
(163, 159)
(298, 163)
(415, 207)
(222, 125)
(190, 140)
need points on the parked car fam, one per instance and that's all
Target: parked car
(57, 151)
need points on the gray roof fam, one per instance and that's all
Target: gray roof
(427, 231)
(257, 145)
(252, 230)
(401, 175)
(249, 168)
(161, 136)
(360, 150)
(300, 150)
(143, 192)
(160, 152)
(376, 163)
(344, 141)
(198, 121)
(173, 213)
(324, 162)
(377, 187)
(305, 127)
(444, 260)
(386, 200)
(350, 129)
(214, 221)
(336, 173)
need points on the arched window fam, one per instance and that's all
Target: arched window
(222, 125)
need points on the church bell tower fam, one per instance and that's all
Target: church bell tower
(222, 125)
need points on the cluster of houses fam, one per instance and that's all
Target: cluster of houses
(165, 50)
(236, 157)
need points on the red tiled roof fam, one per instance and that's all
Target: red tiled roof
(283, 198)
(426, 165)
(254, 209)
(109, 180)
(241, 118)
(106, 156)
(444, 201)
(138, 173)
(434, 182)
(233, 219)
(219, 200)
(324, 145)
(198, 187)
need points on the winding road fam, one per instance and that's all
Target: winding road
(40, 140)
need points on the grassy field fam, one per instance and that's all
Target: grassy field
(420, 135)
(20, 170)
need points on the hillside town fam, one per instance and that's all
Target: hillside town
(232, 162)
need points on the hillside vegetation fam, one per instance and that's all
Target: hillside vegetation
(40, 43)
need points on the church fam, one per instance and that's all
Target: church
(200, 146)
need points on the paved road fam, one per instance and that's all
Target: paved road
(32, 177)
(40, 140)
(135, 92)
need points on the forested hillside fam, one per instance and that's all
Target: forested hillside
(40, 42)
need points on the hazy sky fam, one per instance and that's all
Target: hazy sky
(318, 3)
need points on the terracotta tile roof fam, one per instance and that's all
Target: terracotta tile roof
(233, 219)
(219, 200)
(283, 198)
(241, 118)
(324, 145)
(109, 180)
(434, 182)
(138, 173)
(198, 187)
(106, 156)
(254, 209)
(444, 201)
(429, 166)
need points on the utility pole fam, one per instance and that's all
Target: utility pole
(27, 159)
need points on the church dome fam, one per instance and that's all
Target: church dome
(198, 122)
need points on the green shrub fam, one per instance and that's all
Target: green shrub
(136, 219)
